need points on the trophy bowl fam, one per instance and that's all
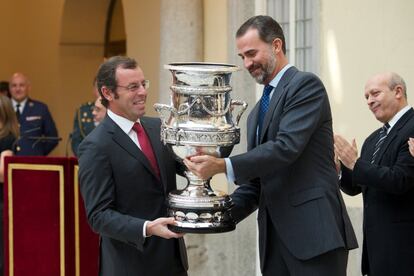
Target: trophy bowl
(199, 121)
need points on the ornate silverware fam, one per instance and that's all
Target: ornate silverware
(200, 121)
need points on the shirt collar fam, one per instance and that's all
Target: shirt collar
(279, 75)
(22, 104)
(125, 124)
(397, 116)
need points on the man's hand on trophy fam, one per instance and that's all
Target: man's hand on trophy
(205, 166)
(159, 227)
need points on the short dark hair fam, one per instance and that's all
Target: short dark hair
(267, 28)
(4, 86)
(106, 75)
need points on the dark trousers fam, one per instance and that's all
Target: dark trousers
(280, 262)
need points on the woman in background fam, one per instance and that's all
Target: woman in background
(9, 132)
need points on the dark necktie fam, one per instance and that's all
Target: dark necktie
(381, 138)
(264, 105)
(146, 147)
(18, 111)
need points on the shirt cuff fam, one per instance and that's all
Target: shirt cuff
(229, 171)
(144, 229)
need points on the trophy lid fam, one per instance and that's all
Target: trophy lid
(202, 67)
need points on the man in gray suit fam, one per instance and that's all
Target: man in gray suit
(288, 171)
(125, 174)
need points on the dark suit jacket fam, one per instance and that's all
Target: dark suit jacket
(121, 192)
(387, 187)
(35, 122)
(291, 173)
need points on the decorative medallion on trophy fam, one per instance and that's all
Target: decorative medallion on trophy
(199, 120)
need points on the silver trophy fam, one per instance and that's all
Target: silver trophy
(199, 121)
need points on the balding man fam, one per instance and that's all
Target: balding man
(384, 174)
(38, 133)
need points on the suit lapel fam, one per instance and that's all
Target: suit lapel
(125, 142)
(252, 126)
(153, 133)
(394, 133)
(277, 94)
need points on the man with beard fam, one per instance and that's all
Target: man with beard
(288, 172)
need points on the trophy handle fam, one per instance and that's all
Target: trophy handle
(162, 108)
(244, 107)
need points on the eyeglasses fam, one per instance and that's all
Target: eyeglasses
(133, 87)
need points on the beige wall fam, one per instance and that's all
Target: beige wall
(215, 31)
(215, 50)
(30, 32)
(118, 23)
(143, 42)
(81, 50)
(59, 45)
(359, 39)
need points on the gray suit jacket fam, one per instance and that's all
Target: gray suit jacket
(291, 172)
(121, 192)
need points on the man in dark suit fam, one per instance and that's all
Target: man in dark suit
(125, 175)
(411, 146)
(384, 173)
(38, 133)
(288, 171)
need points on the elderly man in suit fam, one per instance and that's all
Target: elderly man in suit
(38, 133)
(384, 174)
(288, 171)
(125, 175)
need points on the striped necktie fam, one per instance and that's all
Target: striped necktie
(381, 138)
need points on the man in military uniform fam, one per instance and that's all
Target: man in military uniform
(83, 124)
(38, 133)
(87, 117)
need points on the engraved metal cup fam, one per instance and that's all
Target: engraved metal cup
(199, 121)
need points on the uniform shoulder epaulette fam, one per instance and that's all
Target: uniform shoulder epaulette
(84, 116)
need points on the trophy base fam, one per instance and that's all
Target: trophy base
(202, 214)
(201, 228)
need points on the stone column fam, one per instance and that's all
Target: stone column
(181, 38)
(232, 253)
(182, 41)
